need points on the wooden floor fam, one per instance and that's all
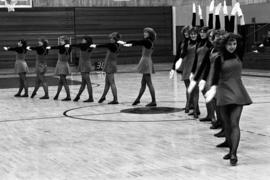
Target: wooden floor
(55, 140)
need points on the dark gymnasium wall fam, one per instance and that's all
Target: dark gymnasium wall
(97, 22)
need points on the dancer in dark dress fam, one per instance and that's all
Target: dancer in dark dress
(228, 88)
(21, 67)
(84, 67)
(62, 68)
(145, 66)
(201, 65)
(110, 66)
(41, 67)
(185, 34)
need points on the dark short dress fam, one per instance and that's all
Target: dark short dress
(230, 89)
(41, 59)
(188, 60)
(110, 62)
(145, 65)
(201, 53)
(62, 66)
(85, 64)
(20, 65)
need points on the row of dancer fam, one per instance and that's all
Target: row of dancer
(216, 71)
(62, 69)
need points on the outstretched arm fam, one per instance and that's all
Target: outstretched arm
(217, 10)
(210, 16)
(193, 23)
(146, 43)
(201, 16)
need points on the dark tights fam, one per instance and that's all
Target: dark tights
(146, 80)
(62, 82)
(23, 84)
(110, 83)
(192, 99)
(188, 104)
(41, 80)
(86, 81)
(231, 116)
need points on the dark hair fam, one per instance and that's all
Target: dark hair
(45, 44)
(204, 29)
(185, 29)
(24, 44)
(115, 35)
(88, 39)
(193, 29)
(227, 38)
(65, 39)
(215, 33)
(151, 32)
(44, 41)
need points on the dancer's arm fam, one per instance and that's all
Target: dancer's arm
(226, 17)
(178, 53)
(210, 15)
(194, 66)
(201, 16)
(145, 42)
(193, 23)
(217, 11)
(16, 49)
(54, 47)
(243, 32)
(210, 94)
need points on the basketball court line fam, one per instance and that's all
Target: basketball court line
(78, 117)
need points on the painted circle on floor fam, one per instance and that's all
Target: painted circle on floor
(120, 113)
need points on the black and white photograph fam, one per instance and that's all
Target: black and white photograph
(134, 89)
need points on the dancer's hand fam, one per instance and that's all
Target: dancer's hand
(217, 10)
(202, 85)
(261, 45)
(93, 46)
(225, 8)
(193, 8)
(200, 12)
(127, 45)
(172, 73)
(211, 7)
(191, 86)
(28, 48)
(178, 63)
(235, 9)
(121, 42)
(48, 47)
(67, 45)
(191, 77)
(5, 48)
(239, 10)
(210, 94)
(242, 20)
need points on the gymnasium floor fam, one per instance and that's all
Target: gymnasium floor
(55, 140)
